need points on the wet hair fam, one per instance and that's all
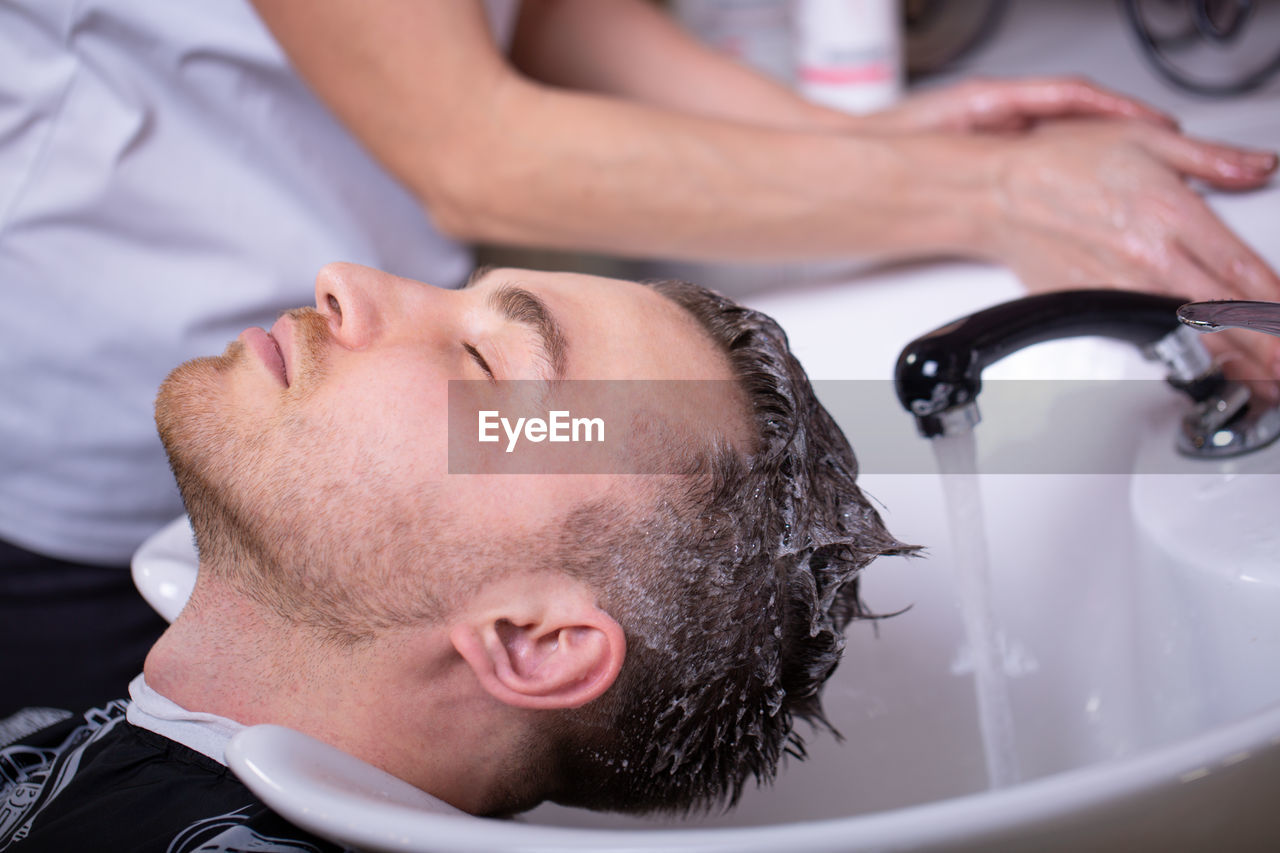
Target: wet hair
(734, 593)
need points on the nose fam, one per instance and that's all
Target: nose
(350, 297)
(361, 303)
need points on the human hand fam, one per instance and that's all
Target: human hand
(1104, 203)
(991, 106)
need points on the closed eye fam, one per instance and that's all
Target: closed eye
(479, 360)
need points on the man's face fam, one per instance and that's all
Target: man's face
(314, 459)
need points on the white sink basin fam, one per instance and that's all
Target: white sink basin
(1141, 614)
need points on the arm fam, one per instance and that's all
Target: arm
(632, 50)
(497, 156)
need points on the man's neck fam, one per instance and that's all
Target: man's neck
(402, 701)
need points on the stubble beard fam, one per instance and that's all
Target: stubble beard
(283, 528)
(208, 459)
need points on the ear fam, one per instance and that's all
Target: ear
(546, 654)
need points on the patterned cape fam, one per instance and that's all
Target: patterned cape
(96, 782)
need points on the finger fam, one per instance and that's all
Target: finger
(1057, 97)
(1212, 246)
(1247, 357)
(1011, 123)
(1183, 276)
(1224, 166)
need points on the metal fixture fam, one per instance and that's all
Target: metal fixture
(1216, 48)
(1232, 314)
(1233, 421)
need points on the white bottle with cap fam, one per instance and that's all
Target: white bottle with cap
(848, 53)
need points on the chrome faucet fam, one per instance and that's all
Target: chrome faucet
(1232, 314)
(939, 375)
(1233, 422)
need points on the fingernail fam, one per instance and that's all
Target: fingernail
(1262, 160)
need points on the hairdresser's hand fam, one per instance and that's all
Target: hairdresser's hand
(995, 106)
(1089, 203)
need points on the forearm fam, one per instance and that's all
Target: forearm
(633, 50)
(603, 175)
(497, 157)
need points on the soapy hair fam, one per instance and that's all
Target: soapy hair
(734, 592)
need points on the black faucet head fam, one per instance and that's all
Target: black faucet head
(939, 374)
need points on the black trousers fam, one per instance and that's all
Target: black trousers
(71, 635)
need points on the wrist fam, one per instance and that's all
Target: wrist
(949, 192)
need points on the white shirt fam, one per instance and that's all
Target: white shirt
(165, 181)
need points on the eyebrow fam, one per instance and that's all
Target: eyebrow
(477, 274)
(520, 306)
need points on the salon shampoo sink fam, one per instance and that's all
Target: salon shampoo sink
(1139, 616)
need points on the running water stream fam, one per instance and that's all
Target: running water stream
(957, 462)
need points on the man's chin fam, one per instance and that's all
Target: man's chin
(187, 404)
